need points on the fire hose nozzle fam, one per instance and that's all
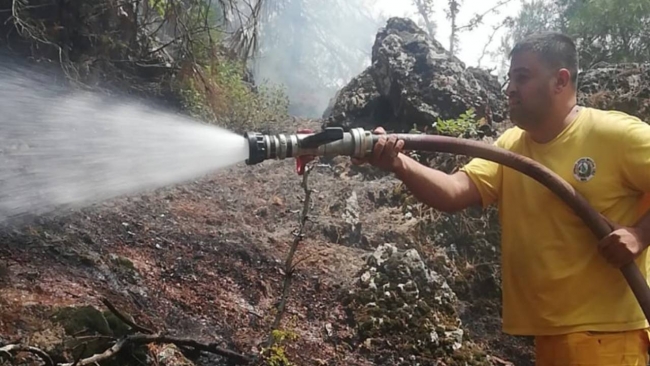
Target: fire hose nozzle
(332, 141)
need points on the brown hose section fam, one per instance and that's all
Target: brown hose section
(594, 220)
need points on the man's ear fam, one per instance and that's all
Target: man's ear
(562, 80)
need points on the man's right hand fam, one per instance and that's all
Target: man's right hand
(437, 189)
(386, 152)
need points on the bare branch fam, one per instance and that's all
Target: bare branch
(83, 349)
(454, 6)
(140, 339)
(425, 8)
(478, 18)
(487, 44)
(288, 265)
(184, 342)
(136, 339)
(126, 320)
(14, 348)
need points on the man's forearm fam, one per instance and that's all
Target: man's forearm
(430, 186)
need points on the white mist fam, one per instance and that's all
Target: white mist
(67, 149)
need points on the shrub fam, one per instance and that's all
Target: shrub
(218, 93)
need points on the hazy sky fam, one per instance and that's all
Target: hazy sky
(471, 42)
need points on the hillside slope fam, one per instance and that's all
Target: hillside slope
(379, 279)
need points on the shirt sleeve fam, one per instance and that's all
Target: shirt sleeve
(635, 162)
(486, 175)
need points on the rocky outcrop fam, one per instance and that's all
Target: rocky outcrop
(413, 81)
(623, 87)
(405, 312)
(359, 102)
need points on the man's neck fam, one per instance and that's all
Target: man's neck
(554, 124)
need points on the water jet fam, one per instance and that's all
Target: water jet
(62, 148)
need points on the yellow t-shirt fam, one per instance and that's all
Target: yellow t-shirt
(644, 206)
(554, 279)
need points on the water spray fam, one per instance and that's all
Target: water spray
(359, 143)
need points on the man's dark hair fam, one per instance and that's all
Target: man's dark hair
(555, 49)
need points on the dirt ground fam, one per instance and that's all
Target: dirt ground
(205, 260)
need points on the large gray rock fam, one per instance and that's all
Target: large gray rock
(623, 87)
(413, 81)
(359, 101)
(405, 312)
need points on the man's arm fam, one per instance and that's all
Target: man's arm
(624, 244)
(635, 161)
(442, 191)
(476, 184)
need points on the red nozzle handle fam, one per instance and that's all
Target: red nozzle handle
(301, 161)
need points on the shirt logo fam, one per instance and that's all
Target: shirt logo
(584, 169)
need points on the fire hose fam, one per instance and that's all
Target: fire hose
(359, 143)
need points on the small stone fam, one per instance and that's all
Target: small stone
(455, 335)
(434, 337)
(365, 278)
(328, 329)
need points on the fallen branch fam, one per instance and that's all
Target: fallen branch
(140, 339)
(13, 348)
(134, 339)
(83, 349)
(500, 361)
(124, 319)
(185, 342)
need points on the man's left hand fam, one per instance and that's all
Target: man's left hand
(621, 246)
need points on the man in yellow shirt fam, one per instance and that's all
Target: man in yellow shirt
(560, 284)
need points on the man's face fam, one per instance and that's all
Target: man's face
(529, 91)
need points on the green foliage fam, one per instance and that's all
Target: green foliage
(159, 6)
(609, 30)
(276, 355)
(218, 94)
(463, 126)
(466, 125)
(213, 82)
(605, 30)
(195, 101)
(156, 46)
(213, 85)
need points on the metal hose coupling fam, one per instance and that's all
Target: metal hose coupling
(330, 142)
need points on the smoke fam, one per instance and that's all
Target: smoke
(314, 47)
